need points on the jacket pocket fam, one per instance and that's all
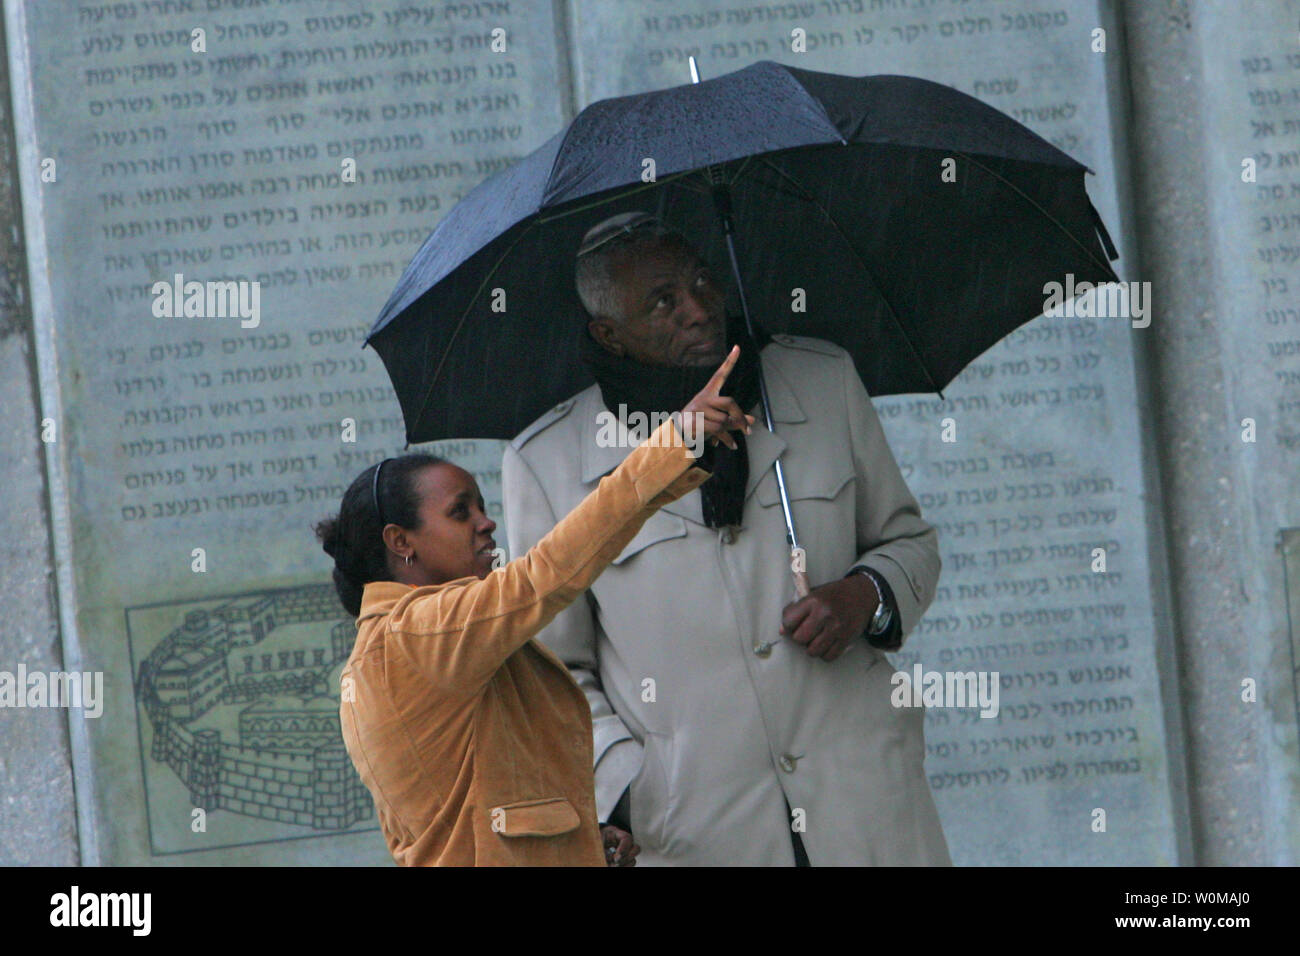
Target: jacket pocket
(807, 482)
(549, 817)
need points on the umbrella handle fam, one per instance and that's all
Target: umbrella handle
(801, 587)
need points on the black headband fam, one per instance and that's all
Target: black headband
(374, 491)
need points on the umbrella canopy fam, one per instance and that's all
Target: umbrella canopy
(841, 207)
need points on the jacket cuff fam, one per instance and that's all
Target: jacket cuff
(663, 470)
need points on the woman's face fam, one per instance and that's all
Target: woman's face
(454, 539)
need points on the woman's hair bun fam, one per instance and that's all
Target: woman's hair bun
(327, 532)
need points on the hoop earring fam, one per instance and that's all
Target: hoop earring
(408, 559)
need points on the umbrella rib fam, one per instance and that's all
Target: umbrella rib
(862, 262)
(424, 404)
(1047, 215)
(622, 194)
(740, 170)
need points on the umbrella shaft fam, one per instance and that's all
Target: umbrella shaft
(722, 203)
(785, 505)
(728, 232)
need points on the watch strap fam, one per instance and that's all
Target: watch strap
(883, 615)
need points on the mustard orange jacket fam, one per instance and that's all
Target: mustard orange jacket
(472, 737)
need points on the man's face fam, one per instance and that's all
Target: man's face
(672, 308)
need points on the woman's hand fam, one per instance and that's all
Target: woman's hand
(713, 412)
(620, 850)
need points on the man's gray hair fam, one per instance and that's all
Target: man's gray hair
(594, 274)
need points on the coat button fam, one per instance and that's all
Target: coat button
(763, 650)
(787, 762)
(728, 536)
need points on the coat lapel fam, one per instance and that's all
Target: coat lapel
(764, 447)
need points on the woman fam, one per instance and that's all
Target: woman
(472, 737)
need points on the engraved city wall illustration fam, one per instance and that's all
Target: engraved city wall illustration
(237, 702)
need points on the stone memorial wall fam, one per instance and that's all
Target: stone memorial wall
(1250, 55)
(230, 435)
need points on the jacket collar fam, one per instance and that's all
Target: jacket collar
(764, 447)
(379, 597)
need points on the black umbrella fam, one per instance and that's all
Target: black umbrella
(837, 188)
(913, 225)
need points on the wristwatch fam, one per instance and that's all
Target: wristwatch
(879, 622)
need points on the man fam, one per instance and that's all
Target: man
(734, 724)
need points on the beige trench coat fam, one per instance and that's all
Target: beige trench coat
(713, 719)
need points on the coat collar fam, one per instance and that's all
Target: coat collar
(764, 447)
(379, 597)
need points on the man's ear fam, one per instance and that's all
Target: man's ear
(606, 335)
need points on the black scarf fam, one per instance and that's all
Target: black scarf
(649, 389)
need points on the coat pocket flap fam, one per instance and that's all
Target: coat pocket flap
(659, 527)
(549, 817)
(803, 482)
